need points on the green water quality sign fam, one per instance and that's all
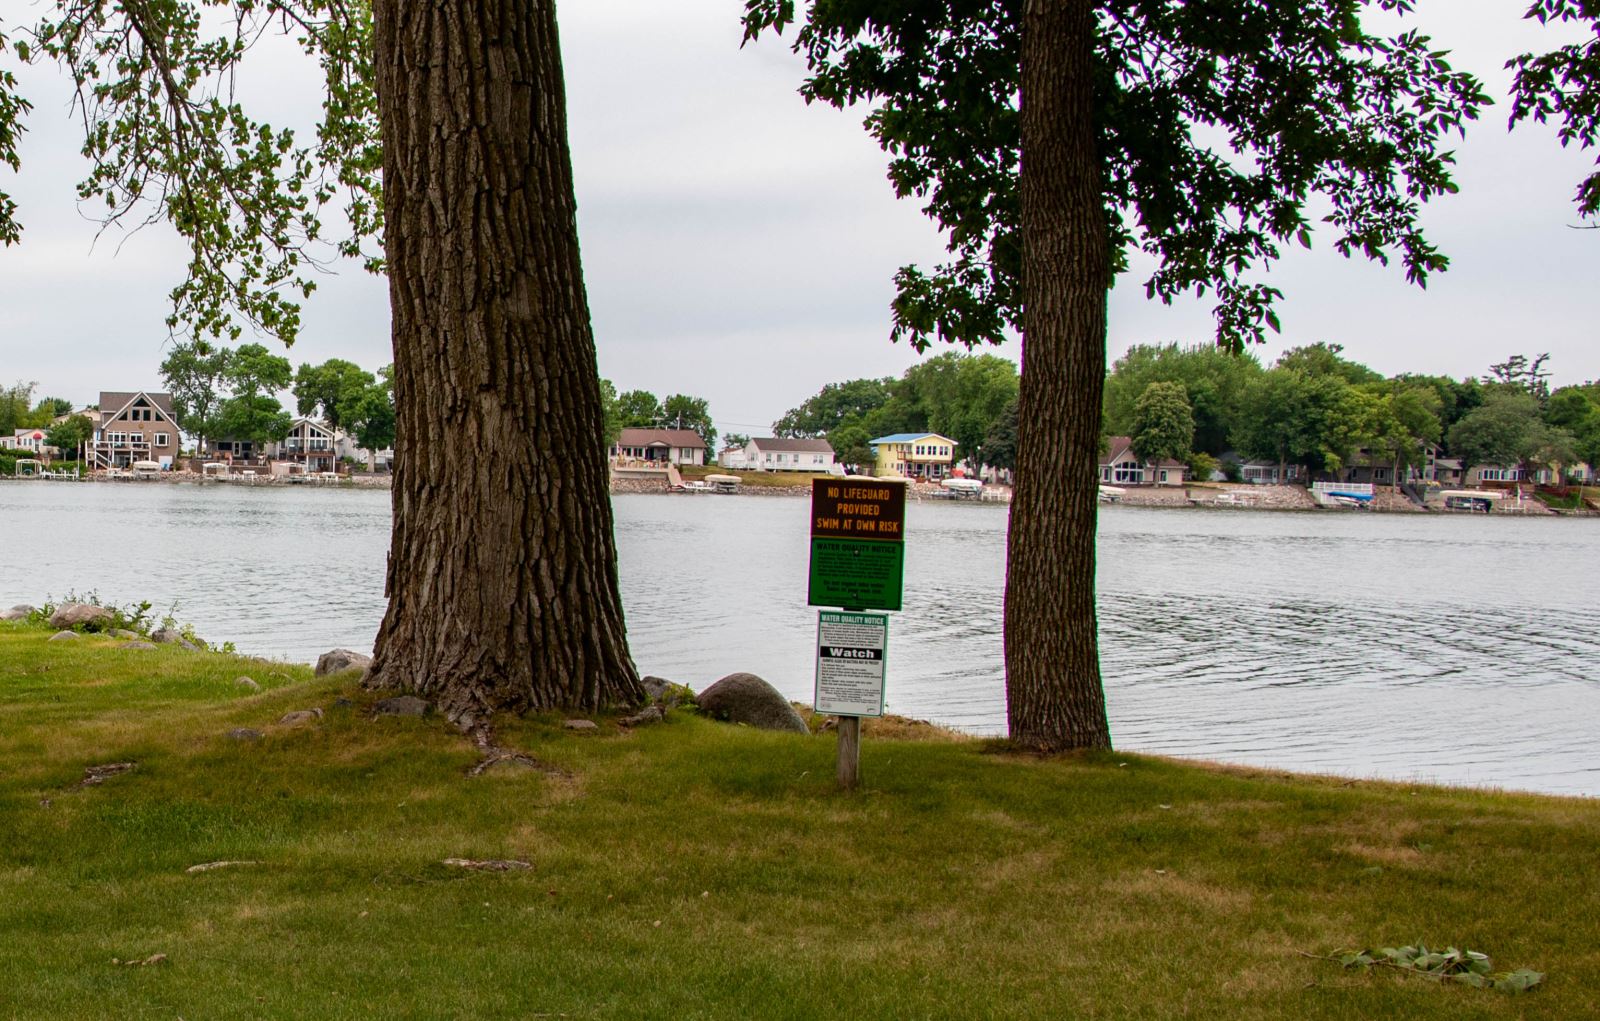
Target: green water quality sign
(858, 573)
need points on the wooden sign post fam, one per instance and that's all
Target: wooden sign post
(857, 563)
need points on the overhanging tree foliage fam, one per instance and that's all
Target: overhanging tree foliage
(1563, 85)
(502, 583)
(1048, 138)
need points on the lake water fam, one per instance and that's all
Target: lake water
(1446, 649)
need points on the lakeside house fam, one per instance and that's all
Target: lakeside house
(131, 427)
(733, 457)
(660, 446)
(233, 450)
(1260, 473)
(347, 448)
(1120, 466)
(309, 443)
(30, 440)
(778, 454)
(926, 456)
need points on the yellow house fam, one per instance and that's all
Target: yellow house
(914, 455)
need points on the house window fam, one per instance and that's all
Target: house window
(161, 439)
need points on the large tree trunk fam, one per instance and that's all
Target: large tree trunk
(1054, 699)
(502, 579)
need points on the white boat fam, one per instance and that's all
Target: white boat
(723, 483)
(962, 487)
(1112, 494)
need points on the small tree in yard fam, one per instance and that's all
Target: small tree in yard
(69, 435)
(1163, 423)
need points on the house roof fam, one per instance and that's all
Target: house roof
(783, 445)
(909, 438)
(1118, 447)
(313, 423)
(664, 437)
(112, 402)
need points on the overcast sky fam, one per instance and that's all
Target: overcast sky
(740, 246)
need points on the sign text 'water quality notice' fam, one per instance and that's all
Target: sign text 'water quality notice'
(851, 651)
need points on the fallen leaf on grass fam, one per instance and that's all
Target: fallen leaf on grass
(490, 865)
(93, 775)
(208, 866)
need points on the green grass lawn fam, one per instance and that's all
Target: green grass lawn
(697, 870)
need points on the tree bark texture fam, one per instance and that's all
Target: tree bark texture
(502, 578)
(1054, 698)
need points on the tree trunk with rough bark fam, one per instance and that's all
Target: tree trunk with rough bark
(1054, 698)
(502, 578)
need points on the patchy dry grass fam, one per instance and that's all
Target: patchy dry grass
(694, 870)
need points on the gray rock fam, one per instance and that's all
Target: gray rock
(649, 714)
(746, 698)
(402, 705)
(188, 646)
(19, 612)
(655, 687)
(79, 615)
(122, 632)
(61, 636)
(340, 660)
(136, 645)
(247, 683)
(583, 726)
(662, 691)
(300, 716)
(244, 734)
(166, 635)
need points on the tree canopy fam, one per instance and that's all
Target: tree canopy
(196, 375)
(1213, 380)
(1310, 102)
(335, 389)
(1163, 424)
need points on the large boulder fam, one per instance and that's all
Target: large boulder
(339, 660)
(19, 612)
(74, 615)
(746, 698)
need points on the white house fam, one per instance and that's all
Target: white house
(777, 454)
(31, 440)
(309, 443)
(1122, 467)
(734, 458)
(664, 446)
(348, 448)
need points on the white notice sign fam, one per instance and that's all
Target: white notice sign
(851, 648)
